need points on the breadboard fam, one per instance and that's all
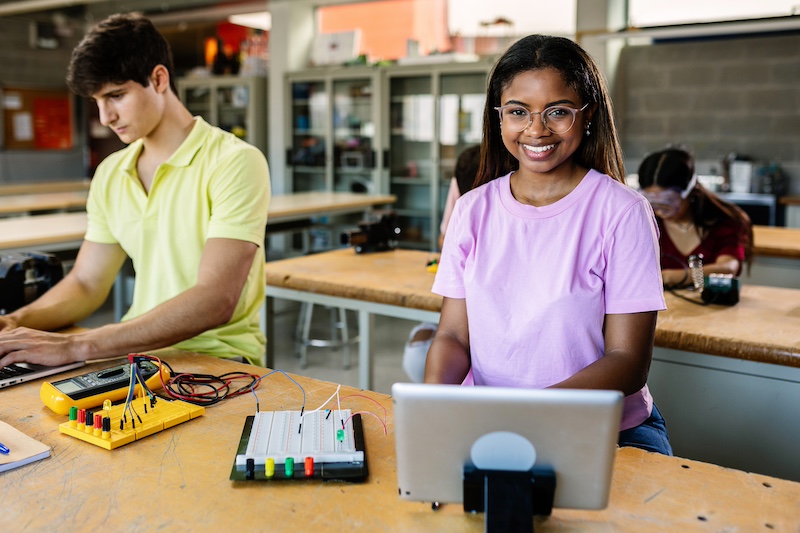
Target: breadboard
(333, 442)
(164, 415)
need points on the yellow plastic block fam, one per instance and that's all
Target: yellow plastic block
(164, 415)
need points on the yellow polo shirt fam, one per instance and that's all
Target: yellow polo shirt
(213, 186)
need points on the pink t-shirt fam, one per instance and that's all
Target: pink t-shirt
(538, 281)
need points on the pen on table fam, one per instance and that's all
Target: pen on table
(4, 449)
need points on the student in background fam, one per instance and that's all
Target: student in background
(420, 338)
(692, 220)
(465, 172)
(187, 202)
(550, 268)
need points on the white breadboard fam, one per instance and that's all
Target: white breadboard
(282, 434)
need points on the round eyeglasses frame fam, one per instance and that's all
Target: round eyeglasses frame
(542, 114)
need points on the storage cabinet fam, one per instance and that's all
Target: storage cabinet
(434, 113)
(793, 215)
(334, 120)
(235, 104)
(396, 129)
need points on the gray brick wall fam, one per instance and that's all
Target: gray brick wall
(715, 96)
(22, 66)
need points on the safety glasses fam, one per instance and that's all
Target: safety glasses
(667, 203)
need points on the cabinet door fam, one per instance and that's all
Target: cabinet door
(232, 104)
(309, 128)
(200, 101)
(411, 117)
(793, 216)
(353, 136)
(461, 103)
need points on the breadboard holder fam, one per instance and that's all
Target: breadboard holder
(163, 415)
(285, 445)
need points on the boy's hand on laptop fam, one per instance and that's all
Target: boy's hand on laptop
(25, 345)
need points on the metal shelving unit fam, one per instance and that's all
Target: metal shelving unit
(334, 128)
(235, 104)
(434, 112)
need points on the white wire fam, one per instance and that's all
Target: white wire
(335, 393)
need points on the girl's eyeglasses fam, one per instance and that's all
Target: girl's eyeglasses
(558, 118)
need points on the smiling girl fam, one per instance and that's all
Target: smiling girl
(550, 267)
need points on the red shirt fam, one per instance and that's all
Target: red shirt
(726, 238)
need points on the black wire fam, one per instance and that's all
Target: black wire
(692, 300)
(171, 372)
(680, 262)
(185, 385)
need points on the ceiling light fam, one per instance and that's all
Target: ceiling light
(261, 20)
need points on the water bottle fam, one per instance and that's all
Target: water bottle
(696, 271)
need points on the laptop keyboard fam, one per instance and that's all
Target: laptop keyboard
(12, 371)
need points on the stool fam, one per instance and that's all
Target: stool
(339, 338)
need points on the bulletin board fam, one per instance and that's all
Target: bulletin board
(37, 119)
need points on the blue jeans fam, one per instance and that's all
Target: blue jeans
(650, 435)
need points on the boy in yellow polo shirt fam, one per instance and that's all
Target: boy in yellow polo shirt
(187, 202)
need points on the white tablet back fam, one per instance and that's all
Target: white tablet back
(575, 432)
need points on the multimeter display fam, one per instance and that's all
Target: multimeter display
(95, 383)
(91, 389)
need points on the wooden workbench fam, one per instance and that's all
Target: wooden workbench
(56, 231)
(776, 241)
(300, 205)
(45, 187)
(764, 326)
(49, 201)
(60, 231)
(397, 277)
(179, 479)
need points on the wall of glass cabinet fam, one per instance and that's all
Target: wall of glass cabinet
(434, 113)
(333, 131)
(235, 104)
(396, 129)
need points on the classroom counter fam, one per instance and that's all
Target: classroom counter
(45, 187)
(764, 326)
(776, 241)
(715, 370)
(179, 478)
(776, 261)
(20, 204)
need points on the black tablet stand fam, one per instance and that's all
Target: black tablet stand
(509, 499)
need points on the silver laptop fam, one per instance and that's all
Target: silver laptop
(17, 373)
(439, 428)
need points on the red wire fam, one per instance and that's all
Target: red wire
(175, 381)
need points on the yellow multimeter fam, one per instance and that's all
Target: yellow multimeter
(91, 389)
